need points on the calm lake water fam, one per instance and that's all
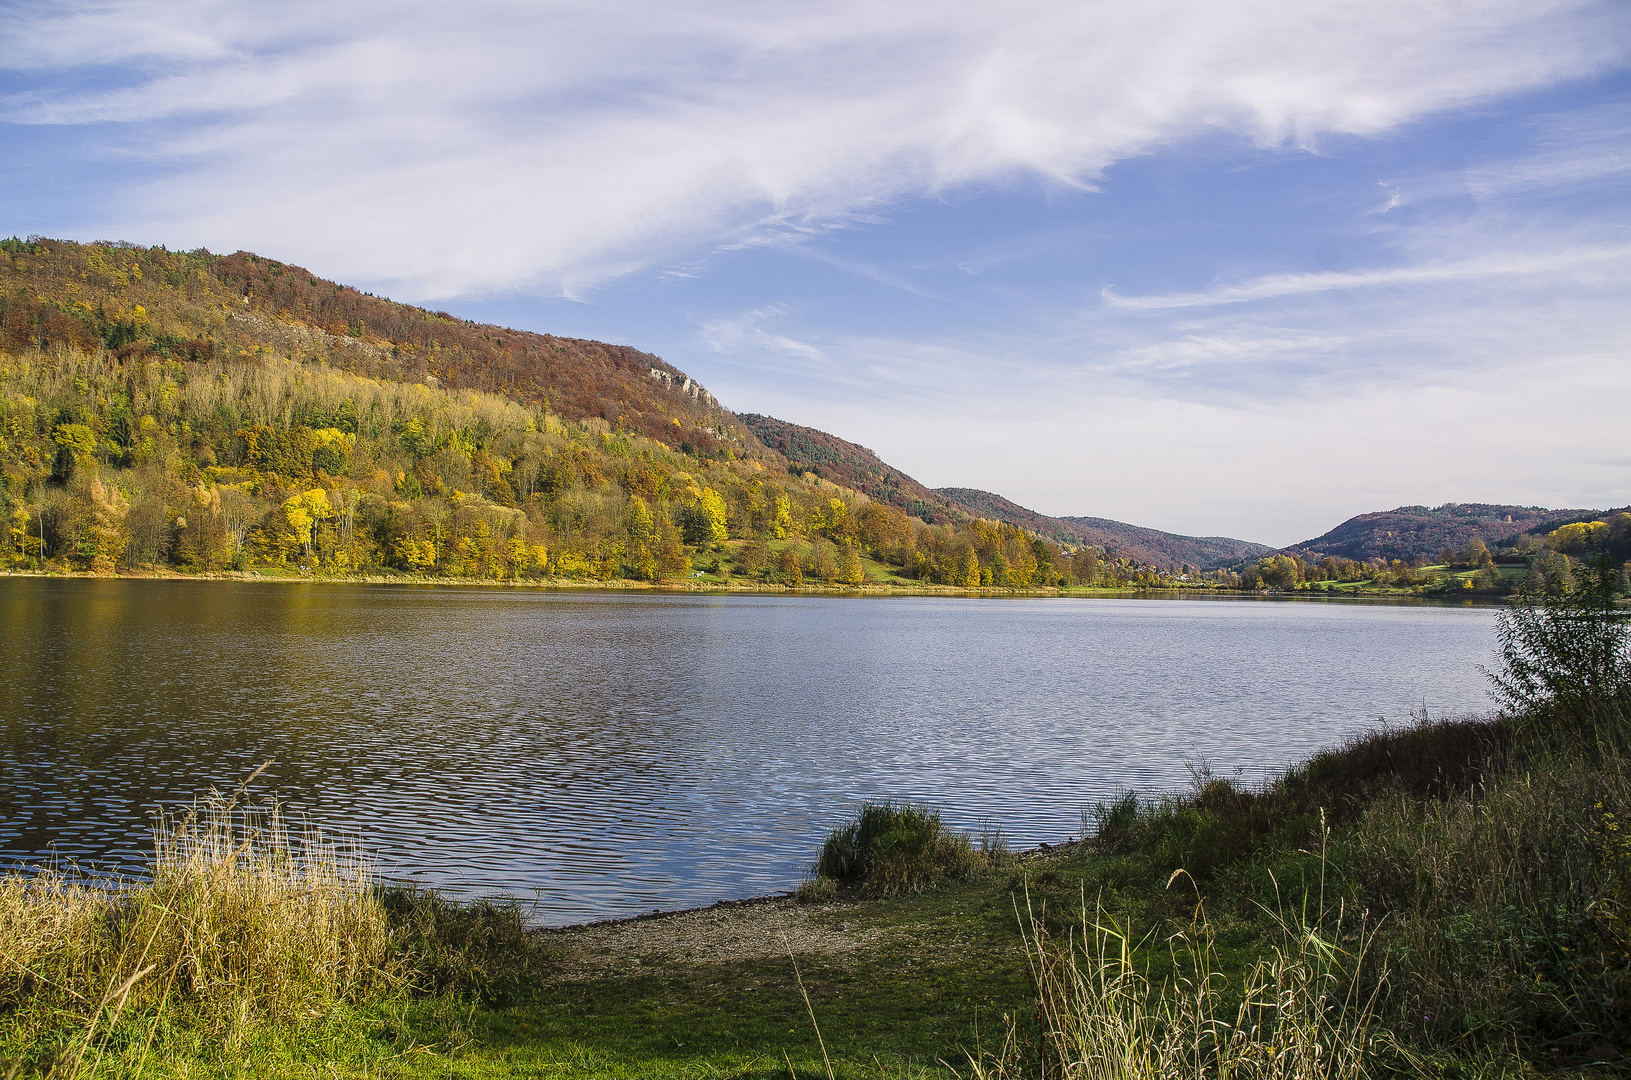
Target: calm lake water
(612, 753)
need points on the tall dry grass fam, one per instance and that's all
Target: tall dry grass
(1308, 1009)
(243, 920)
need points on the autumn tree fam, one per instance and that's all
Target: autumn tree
(1579, 538)
(788, 570)
(304, 511)
(850, 570)
(822, 564)
(707, 520)
(643, 543)
(672, 561)
(753, 557)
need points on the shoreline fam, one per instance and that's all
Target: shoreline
(1040, 853)
(684, 585)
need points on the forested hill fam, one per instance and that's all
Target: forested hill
(1150, 547)
(849, 465)
(1409, 532)
(1201, 551)
(196, 306)
(992, 507)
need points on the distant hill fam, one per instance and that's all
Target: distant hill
(1204, 552)
(1409, 531)
(858, 468)
(1148, 546)
(984, 504)
(849, 465)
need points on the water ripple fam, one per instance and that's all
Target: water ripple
(605, 754)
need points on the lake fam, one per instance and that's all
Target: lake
(609, 753)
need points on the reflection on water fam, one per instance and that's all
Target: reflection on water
(611, 753)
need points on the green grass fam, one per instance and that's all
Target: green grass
(464, 990)
(916, 1001)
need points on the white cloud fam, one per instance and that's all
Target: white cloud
(439, 150)
(747, 331)
(1498, 375)
(1553, 266)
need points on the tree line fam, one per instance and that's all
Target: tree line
(114, 463)
(1531, 563)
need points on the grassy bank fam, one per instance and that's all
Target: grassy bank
(1453, 912)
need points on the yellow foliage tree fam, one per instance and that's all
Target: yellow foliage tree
(1579, 537)
(711, 509)
(305, 510)
(850, 571)
(416, 554)
(643, 545)
(105, 541)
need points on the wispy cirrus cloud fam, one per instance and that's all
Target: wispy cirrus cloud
(754, 330)
(1494, 265)
(557, 146)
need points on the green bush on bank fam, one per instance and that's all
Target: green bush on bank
(482, 949)
(892, 848)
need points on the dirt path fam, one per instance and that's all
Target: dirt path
(723, 933)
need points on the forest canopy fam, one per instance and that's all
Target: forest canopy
(218, 462)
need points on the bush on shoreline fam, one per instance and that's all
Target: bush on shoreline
(892, 848)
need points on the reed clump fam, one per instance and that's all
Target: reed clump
(892, 848)
(243, 920)
(1306, 1010)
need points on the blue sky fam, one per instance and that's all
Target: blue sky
(1218, 268)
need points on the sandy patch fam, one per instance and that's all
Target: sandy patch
(750, 930)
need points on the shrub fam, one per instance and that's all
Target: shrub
(817, 890)
(482, 948)
(1566, 659)
(892, 848)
